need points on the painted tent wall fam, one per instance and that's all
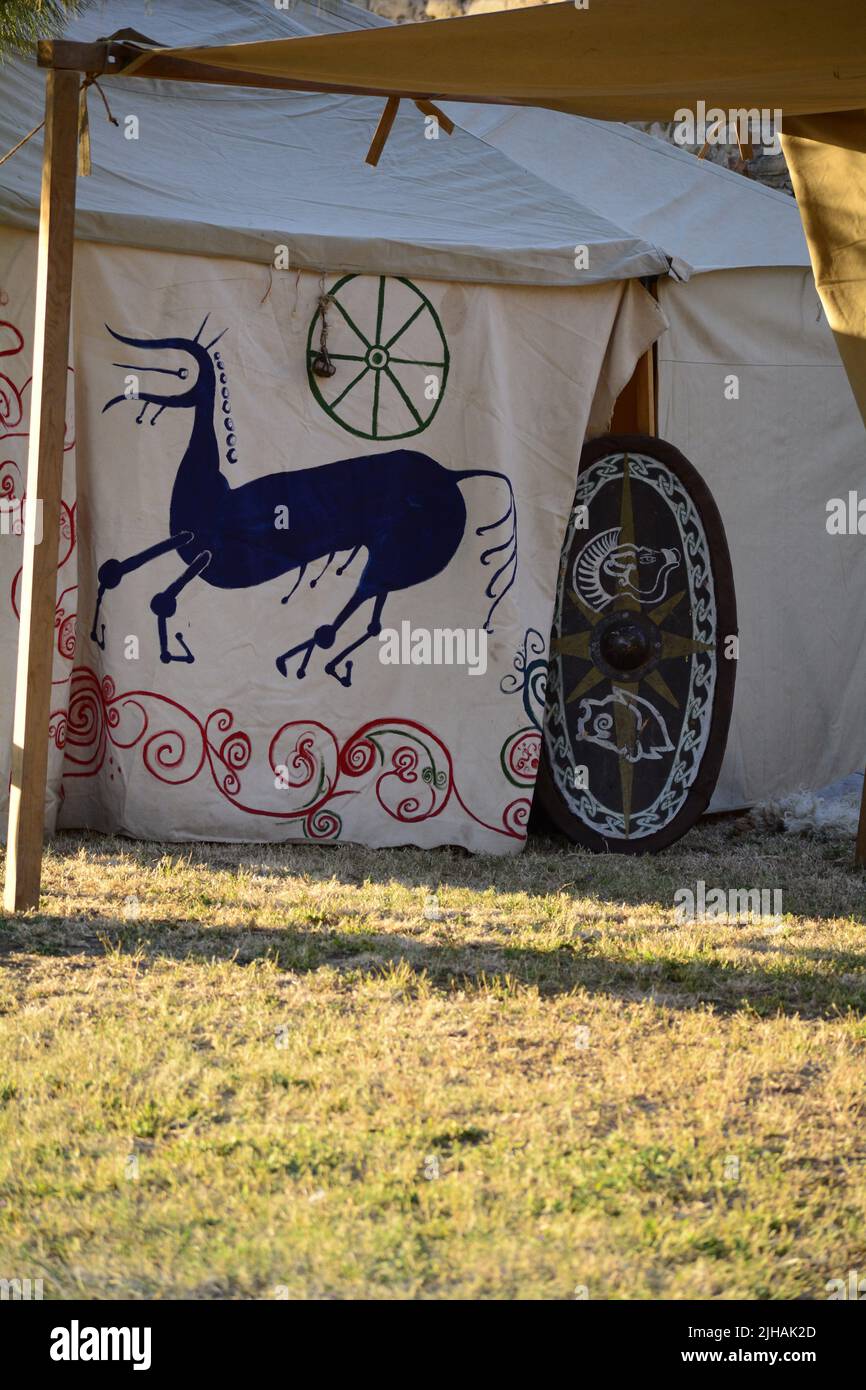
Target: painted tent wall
(188, 749)
(343, 744)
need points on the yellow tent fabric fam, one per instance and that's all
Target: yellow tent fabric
(827, 159)
(628, 60)
(623, 60)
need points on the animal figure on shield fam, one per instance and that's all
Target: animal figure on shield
(403, 508)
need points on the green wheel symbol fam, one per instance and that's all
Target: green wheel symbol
(385, 340)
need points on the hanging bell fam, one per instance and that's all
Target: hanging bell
(322, 364)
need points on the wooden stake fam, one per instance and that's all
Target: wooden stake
(427, 108)
(44, 484)
(860, 847)
(383, 130)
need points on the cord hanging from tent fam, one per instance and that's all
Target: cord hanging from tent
(85, 166)
(23, 141)
(322, 364)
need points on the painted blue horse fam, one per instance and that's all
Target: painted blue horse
(403, 508)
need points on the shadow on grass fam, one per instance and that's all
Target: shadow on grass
(788, 983)
(817, 878)
(767, 975)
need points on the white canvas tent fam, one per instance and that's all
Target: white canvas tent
(194, 732)
(187, 204)
(237, 172)
(773, 455)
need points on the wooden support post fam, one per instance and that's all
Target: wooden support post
(860, 847)
(635, 409)
(383, 130)
(645, 374)
(44, 485)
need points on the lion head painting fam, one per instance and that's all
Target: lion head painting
(606, 569)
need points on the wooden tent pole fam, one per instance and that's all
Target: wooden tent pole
(860, 845)
(44, 485)
(646, 393)
(635, 410)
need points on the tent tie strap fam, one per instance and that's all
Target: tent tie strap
(84, 163)
(85, 166)
(388, 116)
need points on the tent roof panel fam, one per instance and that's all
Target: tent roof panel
(235, 172)
(711, 217)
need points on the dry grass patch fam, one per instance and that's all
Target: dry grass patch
(281, 1075)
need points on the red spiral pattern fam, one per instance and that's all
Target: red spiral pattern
(11, 404)
(57, 729)
(8, 484)
(358, 756)
(85, 725)
(521, 756)
(12, 411)
(322, 824)
(415, 780)
(515, 817)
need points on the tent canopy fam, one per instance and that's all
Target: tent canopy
(616, 59)
(237, 173)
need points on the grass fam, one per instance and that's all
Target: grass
(264, 1072)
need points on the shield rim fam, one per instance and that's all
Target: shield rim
(701, 790)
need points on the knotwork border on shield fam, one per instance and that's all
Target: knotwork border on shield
(695, 729)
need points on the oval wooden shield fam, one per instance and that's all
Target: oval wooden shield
(640, 687)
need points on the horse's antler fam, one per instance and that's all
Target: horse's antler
(184, 399)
